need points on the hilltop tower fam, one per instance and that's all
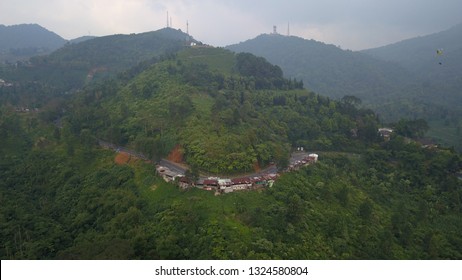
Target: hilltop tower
(167, 21)
(275, 31)
(288, 28)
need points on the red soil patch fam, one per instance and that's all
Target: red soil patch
(176, 155)
(122, 158)
(256, 167)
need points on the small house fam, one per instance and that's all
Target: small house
(210, 184)
(385, 132)
(313, 158)
(241, 183)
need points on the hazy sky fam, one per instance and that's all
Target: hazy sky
(351, 24)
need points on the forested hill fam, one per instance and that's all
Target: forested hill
(119, 52)
(78, 63)
(227, 113)
(411, 53)
(64, 197)
(19, 42)
(404, 80)
(327, 69)
(436, 59)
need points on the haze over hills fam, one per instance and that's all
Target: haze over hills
(75, 64)
(435, 59)
(412, 52)
(222, 113)
(327, 69)
(119, 52)
(19, 42)
(439, 78)
(406, 79)
(400, 84)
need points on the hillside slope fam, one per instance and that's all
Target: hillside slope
(413, 52)
(228, 113)
(327, 69)
(439, 78)
(19, 42)
(77, 64)
(404, 80)
(440, 72)
(64, 197)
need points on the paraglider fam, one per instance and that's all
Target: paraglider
(439, 52)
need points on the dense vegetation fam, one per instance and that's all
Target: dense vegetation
(438, 90)
(75, 65)
(327, 69)
(20, 42)
(404, 80)
(63, 197)
(228, 122)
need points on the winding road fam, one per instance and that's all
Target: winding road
(272, 169)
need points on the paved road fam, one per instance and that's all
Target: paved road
(172, 166)
(272, 169)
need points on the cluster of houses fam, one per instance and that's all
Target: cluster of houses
(227, 185)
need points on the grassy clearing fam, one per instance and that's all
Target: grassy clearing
(217, 59)
(445, 134)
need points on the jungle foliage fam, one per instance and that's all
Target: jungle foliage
(63, 197)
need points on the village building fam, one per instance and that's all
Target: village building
(167, 174)
(313, 158)
(184, 183)
(241, 183)
(210, 184)
(385, 133)
(225, 185)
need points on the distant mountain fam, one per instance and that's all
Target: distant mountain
(19, 42)
(81, 39)
(327, 69)
(412, 53)
(439, 72)
(439, 79)
(73, 65)
(404, 80)
(118, 52)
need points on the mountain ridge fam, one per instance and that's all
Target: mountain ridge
(22, 41)
(325, 68)
(419, 48)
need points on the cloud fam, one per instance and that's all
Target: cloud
(352, 24)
